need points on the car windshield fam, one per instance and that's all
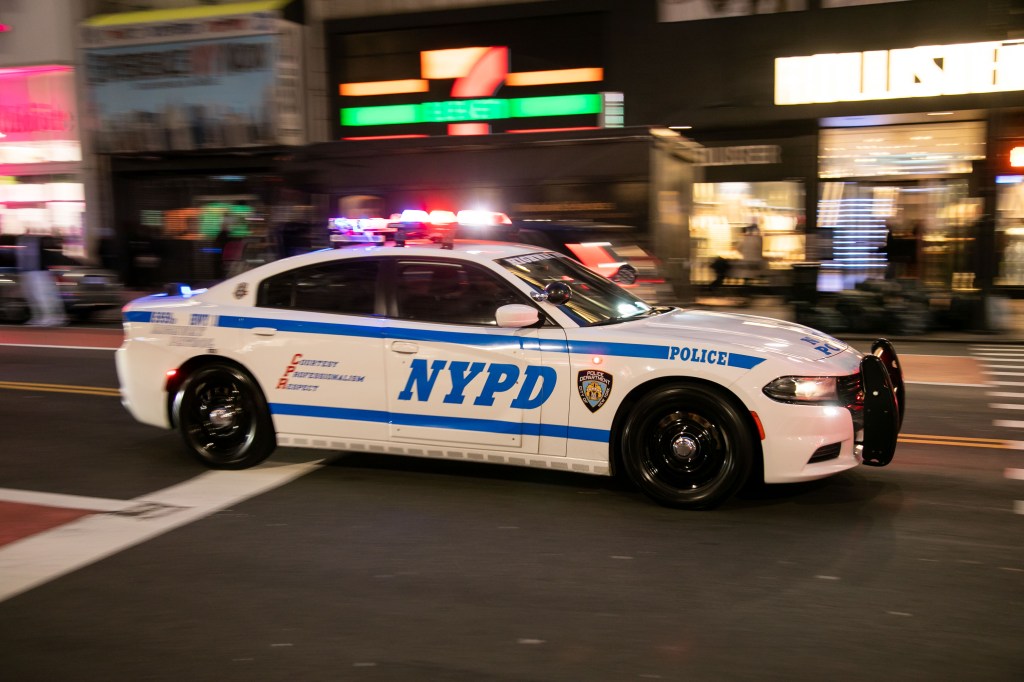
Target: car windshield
(595, 300)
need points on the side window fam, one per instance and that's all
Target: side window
(451, 292)
(347, 287)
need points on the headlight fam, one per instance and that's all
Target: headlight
(803, 390)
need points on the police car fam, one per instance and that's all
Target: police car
(506, 354)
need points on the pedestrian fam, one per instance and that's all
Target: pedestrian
(751, 248)
(721, 267)
(38, 284)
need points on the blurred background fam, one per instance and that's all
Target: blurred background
(859, 161)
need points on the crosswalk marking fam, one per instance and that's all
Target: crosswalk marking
(1004, 394)
(1008, 423)
(43, 557)
(99, 504)
(1005, 406)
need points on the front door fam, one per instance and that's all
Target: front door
(454, 376)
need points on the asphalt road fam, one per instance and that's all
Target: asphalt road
(329, 566)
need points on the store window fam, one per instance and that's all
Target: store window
(46, 205)
(724, 210)
(895, 202)
(1010, 229)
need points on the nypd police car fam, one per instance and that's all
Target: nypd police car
(506, 354)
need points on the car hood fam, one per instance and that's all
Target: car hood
(764, 335)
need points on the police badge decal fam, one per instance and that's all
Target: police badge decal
(594, 386)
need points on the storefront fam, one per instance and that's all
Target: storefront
(868, 158)
(41, 188)
(191, 108)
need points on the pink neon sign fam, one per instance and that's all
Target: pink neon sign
(37, 103)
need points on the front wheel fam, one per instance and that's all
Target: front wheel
(687, 446)
(223, 418)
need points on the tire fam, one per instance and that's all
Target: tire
(687, 446)
(223, 418)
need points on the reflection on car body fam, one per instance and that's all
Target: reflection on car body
(508, 354)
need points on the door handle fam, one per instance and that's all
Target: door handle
(404, 347)
(264, 331)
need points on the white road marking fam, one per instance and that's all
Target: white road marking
(1016, 474)
(1008, 383)
(1001, 394)
(988, 366)
(1008, 424)
(1005, 406)
(1007, 374)
(1007, 347)
(99, 504)
(39, 558)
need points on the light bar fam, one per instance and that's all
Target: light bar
(588, 75)
(472, 110)
(399, 87)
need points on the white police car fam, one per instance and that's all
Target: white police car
(502, 353)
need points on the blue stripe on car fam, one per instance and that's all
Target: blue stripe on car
(439, 422)
(625, 350)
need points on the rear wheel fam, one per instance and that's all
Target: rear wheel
(687, 446)
(223, 418)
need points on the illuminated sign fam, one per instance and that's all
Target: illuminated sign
(1017, 157)
(478, 73)
(472, 110)
(924, 71)
(38, 116)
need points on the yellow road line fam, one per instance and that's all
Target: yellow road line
(956, 438)
(958, 441)
(60, 388)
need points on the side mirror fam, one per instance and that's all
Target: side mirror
(626, 274)
(557, 293)
(516, 315)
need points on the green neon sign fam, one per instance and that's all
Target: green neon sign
(451, 111)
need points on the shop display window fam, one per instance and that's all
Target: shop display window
(1010, 230)
(723, 210)
(51, 205)
(916, 228)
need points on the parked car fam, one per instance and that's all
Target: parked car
(83, 288)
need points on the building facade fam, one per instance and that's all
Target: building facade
(870, 135)
(43, 171)
(862, 134)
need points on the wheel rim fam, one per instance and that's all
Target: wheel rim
(683, 450)
(220, 421)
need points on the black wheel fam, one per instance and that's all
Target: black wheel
(223, 418)
(687, 445)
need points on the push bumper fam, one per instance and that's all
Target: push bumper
(884, 403)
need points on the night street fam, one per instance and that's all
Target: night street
(338, 566)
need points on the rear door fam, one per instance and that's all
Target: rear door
(315, 343)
